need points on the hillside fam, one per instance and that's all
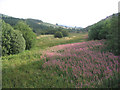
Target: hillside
(38, 26)
(107, 18)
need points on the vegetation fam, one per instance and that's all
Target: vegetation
(99, 30)
(113, 38)
(68, 61)
(64, 33)
(80, 64)
(58, 34)
(28, 34)
(12, 41)
(39, 27)
(25, 68)
(10, 20)
(107, 29)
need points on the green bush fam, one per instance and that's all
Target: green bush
(58, 34)
(30, 39)
(18, 42)
(113, 37)
(108, 29)
(94, 32)
(28, 34)
(64, 32)
(12, 41)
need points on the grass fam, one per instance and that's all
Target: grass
(25, 69)
(44, 67)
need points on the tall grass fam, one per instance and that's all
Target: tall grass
(25, 69)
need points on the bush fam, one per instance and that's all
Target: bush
(30, 39)
(108, 29)
(95, 30)
(58, 34)
(64, 32)
(113, 37)
(12, 41)
(28, 34)
(18, 42)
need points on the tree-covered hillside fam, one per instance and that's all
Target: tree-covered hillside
(108, 29)
(38, 26)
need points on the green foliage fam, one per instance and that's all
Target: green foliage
(21, 70)
(11, 20)
(12, 41)
(65, 33)
(39, 27)
(107, 29)
(28, 34)
(97, 31)
(58, 34)
(18, 42)
(113, 38)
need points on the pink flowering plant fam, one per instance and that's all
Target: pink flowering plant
(83, 64)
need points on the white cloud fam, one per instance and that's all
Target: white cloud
(68, 12)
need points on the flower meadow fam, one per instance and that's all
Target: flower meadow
(84, 64)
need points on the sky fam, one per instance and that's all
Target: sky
(80, 13)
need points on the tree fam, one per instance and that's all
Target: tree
(12, 41)
(28, 34)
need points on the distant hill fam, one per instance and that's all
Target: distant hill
(2, 15)
(38, 26)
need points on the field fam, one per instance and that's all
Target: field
(72, 62)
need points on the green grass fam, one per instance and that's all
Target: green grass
(25, 69)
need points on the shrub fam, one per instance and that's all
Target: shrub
(64, 32)
(94, 31)
(12, 41)
(30, 39)
(58, 34)
(113, 37)
(18, 42)
(28, 34)
(99, 30)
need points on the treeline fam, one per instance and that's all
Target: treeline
(107, 29)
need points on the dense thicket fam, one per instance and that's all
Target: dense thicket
(12, 41)
(28, 34)
(107, 29)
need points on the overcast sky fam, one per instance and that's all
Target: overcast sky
(79, 13)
